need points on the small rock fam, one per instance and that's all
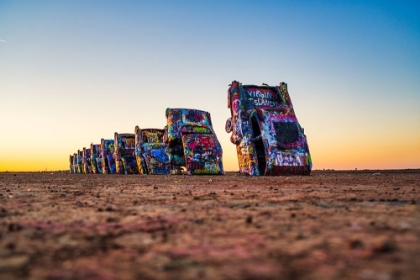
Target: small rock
(79, 204)
(355, 244)
(323, 204)
(14, 227)
(249, 220)
(11, 246)
(111, 220)
(384, 246)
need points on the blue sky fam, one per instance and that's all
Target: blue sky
(76, 71)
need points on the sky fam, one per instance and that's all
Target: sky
(73, 72)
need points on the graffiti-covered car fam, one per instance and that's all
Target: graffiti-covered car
(151, 152)
(268, 137)
(106, 160)
(95, 158)
(87, 166)
(192, 143)
(125, 161)
(74, 165)
(79, 162)
(71, 164)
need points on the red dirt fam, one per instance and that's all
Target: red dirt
(328, 225)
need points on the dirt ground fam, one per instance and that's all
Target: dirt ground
(330, 225)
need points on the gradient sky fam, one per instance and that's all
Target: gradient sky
(73, 72)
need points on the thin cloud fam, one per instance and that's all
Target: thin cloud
(2, 41)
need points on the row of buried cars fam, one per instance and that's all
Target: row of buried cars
(187, 142)
(268, 137)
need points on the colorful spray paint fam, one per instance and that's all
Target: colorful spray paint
(106, 160)
(192, 143)
(268, 137)
(188, 141)
(79, 162)
(74, 163)
(87, 167)
(124, 146)
(95, 158)
(151, 152)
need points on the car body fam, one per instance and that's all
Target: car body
(95, 158)
(151, 152)
(192, 142)
(268, 137)
(74, 165)
(87, 166)
(71, 164)
(125, 161)
(79, 162)
(107, 161)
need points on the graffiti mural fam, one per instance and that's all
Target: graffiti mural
(87, 167)
(151, 152)
(268, 137)
(192, 143)
(95, 158)
(106, 160)
(79, 162)
(74, 165)
(124, 146)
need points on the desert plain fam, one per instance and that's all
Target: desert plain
(329, 225)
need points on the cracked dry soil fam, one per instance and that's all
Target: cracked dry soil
(330, 225)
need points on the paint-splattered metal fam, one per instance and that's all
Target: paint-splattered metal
(268, 137)
(125, 162)
(192, 143)
(106, 160)
(95, 150)
(87, 167)
(151, 151)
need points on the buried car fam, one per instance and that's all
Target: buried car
(78, 163)
(71, 164)
(151, 151)
(106, 160)
(74, 165)
(125, 161)
(192, 143)
(268, 137)
(87, 166)
(95, 158)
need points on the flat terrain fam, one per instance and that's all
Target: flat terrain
(330, 225)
